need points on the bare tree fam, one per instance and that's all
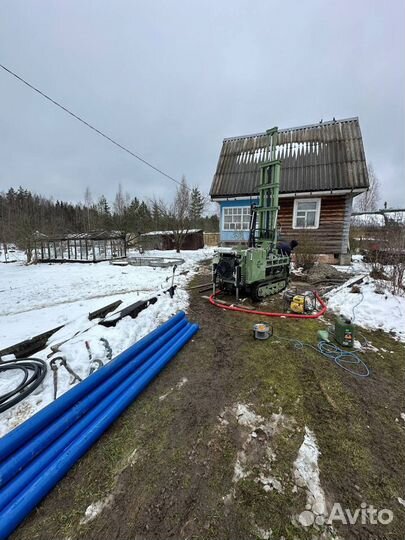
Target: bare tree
(119, 206)
(368, 201)
(127, 199)
(24, 234)
(88, 201)
(176, 215)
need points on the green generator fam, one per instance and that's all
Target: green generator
(344, 331)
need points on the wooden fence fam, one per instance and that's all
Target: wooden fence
(211, 238)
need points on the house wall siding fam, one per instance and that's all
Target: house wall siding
(346, 228)
(234, 236)
(331, 237)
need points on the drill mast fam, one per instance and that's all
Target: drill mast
(263, 224)
(259, 270)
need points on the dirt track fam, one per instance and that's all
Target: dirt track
(166, 469)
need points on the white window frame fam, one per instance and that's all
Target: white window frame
(317, 213)
(234, 230)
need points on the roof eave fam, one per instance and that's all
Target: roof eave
(324, 193)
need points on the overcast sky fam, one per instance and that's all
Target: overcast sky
(171, 79)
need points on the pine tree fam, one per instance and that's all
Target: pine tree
(156, 215)
(104, 213)
(196, 206)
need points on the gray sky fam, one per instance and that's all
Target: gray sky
(171, 79)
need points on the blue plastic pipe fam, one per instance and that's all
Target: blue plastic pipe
(18, 436)
(19, 508)
(29, 473)
(21, 457)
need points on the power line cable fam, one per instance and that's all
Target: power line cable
(35, 89)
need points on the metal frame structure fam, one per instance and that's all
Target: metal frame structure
(81, 247)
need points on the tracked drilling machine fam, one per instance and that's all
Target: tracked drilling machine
(259, 270)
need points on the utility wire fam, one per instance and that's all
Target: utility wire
(89, 125)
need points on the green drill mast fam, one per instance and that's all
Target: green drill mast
(260, 270)
(269, 189)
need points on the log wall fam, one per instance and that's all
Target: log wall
(333, 233)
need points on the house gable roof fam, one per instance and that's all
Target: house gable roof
(320, 157)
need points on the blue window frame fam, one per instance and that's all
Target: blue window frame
(236, 218)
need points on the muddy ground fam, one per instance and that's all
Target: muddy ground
(181, 463)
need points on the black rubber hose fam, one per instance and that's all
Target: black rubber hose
(34, 371)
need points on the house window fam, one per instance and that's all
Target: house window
(306, 213)
(236, 218)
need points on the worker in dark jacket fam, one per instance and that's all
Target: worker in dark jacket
(286, 248)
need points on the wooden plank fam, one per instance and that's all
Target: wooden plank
(133, 311)
(28, 347)
(102, 312)
(349, 283)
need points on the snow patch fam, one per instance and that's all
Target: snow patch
(95, 509)
(306, 473)
(178, 386)
(369, 309)
(239, 470)
(264, 534)
(39, 297)
(132, 458)
(270, 483)
(246, 416)
(171, 233)
(256, 437)
(181, 383)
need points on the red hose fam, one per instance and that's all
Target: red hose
(269, 314)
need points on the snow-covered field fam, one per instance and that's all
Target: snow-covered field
(36, 298)
(371, 308)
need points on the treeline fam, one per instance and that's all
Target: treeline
(22, 213)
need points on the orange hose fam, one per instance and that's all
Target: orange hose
(269, 314)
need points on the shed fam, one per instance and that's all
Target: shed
(93, 246)
(165, 240)
(323, 167)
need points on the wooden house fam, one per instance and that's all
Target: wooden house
(165, 240)
(323, 167)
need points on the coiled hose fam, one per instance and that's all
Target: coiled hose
(34, 371)
(347, 360)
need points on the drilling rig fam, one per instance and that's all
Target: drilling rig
(259, 270)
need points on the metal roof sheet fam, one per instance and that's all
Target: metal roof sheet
(92, 235)
(318, 157)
